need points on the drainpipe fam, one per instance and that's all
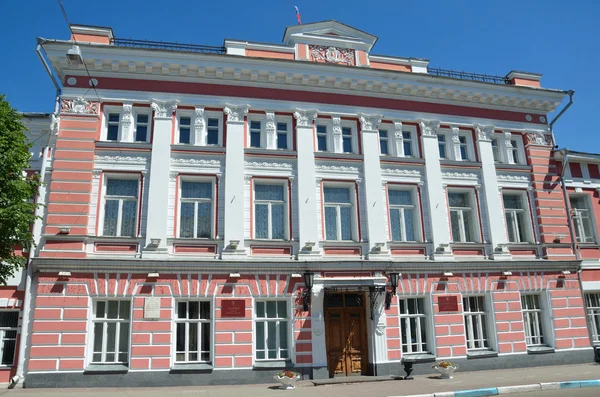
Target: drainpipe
(574, 245)
(555, 119)
(26, 325)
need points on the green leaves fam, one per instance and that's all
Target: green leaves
(17, 192)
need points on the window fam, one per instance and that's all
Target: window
(111, 332)
(112, 127)
(532, 316)
(463, 145)
(338, 213)
(412, 325)
(516, 223)
(442, 145)
(282, 135)
(9, 320)
(582, 220)
(255, 129)
(185, 129)
(495, 151)
(383, 142)
(196, 209)
(212, 131)
(141, 128)
(592, 302)
(269, 211)
(192, 332)
(347, 139)
(321, 138)
(476, 323)
(407, 143)
(272, 330)
(461, 217)
(120, 207)
(515, 151)
(402, 211)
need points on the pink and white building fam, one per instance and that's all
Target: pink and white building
(214, 214)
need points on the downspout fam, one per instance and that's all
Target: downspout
(565, 163)
(26, 325)
(555, 119)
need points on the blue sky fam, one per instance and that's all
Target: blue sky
(558, 38)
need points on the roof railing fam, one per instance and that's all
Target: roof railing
(456, 74)
(163, 45)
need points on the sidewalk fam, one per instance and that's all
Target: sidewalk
(421, 384)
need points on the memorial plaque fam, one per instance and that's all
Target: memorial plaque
(152, 308)
(448, 303)
(233, 308)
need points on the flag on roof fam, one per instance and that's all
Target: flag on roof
(298, 15)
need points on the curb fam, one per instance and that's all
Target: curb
(495, 391)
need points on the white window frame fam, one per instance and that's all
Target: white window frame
(105, 321)
(581, 235)
(4, 338)
(286, 209)
(412, 140)
(178, 127)
(496, 149)
(354, 136)
(289, 134)
(220, 118)
(518, 150)
(105, 178)
(105, 114)
(290, 332)
(526, 211)
(446, 144)
(327, 134)
(263, 138)
(199, 321)
(473, 219)
(354, 208)
(143, 112)
(479, 319)
(535, 319)
(468, 144)
(424, 321)
(202, 179)
(416, 213)
(592, 305)
(389, 139)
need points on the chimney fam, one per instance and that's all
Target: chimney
(92, 34)
(526, 79)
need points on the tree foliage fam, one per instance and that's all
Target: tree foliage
(17, 192)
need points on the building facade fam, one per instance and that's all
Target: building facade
(215, 214)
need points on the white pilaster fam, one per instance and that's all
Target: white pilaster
(127, 123)
(491, 197)
(336, 133)
(307, 192)
(372, 174)
(399, 139)
(158, 194)
(438, 214)
(199, 127)
(377, 325)
(456, 143)
(270, 131)
(234, 180)
(509, 155)
(317, 317)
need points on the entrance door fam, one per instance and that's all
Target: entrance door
(345, 331)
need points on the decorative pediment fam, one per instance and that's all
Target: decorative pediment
(329, 34)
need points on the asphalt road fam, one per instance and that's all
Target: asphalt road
(587, 392)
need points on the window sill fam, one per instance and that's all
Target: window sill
(197, 148)
(104, 368)
(262, 150)
(540, 350)
(277, 364)
(122, 145)
(513, 166)
(459, 162)
(397, 159)
(481, 354)
(191, 367)
(338, 155)
(418, 358)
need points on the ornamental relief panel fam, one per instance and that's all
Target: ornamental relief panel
(330, 54)
(80, 106)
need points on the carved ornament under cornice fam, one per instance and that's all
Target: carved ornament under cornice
(195, 161)
(343, 56)
(80, 106)
(268, 165)
(539, 138)
(401, 172)
(337, 168)
(460, 175)
(120, 159)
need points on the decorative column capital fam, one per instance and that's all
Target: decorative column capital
(236, 113)
(484, 132)
(429, 127)
(539, 138)
(369, 122)
(163, 109)
(305, 118)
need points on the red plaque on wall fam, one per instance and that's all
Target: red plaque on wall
(448, 303)
(233, 308)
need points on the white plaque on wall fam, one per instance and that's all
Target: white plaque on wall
(152, 308)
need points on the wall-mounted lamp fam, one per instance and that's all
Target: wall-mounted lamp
(234, 275)
(394, 284)
(309, 279)
(448, 274)
(507, 273)
(153, 275)
(64, 274)
(566, 272)
(296, 275)
(74, 56)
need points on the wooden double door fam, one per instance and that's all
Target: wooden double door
(345, 332)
